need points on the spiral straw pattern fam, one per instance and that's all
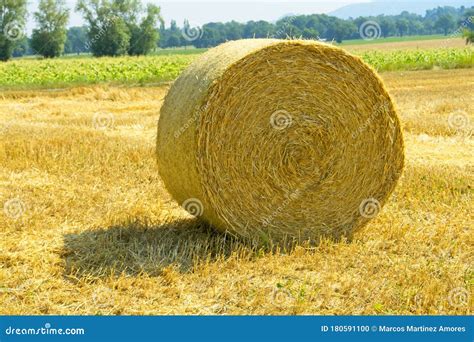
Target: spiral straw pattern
(268, 145)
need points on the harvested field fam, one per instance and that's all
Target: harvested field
(87, 227)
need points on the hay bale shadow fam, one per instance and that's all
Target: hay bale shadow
(134, 248)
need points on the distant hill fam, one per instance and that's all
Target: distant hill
(392, 7)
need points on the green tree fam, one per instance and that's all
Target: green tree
(312, 27)
(310, 33)
(21, 47)
(283, 28)
(76, 40)
(49, 38)
(212, 34)
(117, 27)
(171, 37)
(469, 35)
(342, 29)
(108, 32)
(467, 19)
(402, 26)
(416, 27)
(387, 25)
(144, 37)
(12, 23)
(445, 23)
(468, 24)
(111, 38)
(258, 29)
(234, 30)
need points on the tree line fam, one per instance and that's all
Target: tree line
(113, 28)
(441, 20)
(120, 27)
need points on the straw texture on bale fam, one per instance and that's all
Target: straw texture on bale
(271, 139)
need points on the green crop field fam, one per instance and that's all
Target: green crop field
(419, 59)
(64, 72)
(167, 66)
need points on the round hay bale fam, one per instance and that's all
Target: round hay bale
(272, 139)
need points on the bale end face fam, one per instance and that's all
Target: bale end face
(273, 139)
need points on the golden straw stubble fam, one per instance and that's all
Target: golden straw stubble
(272, 139)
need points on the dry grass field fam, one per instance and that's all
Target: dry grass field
(87, 227)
